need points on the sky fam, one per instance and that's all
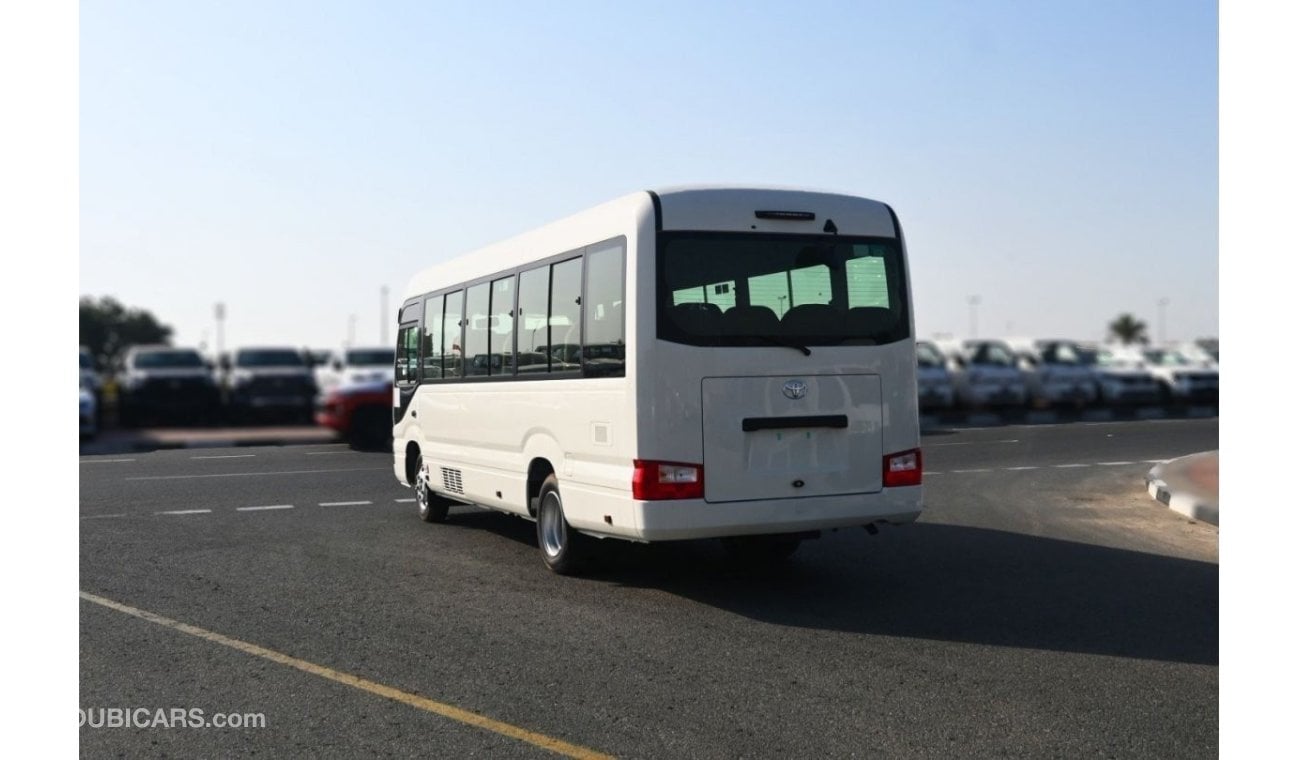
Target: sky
(1057, 161)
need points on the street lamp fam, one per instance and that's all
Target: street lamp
(220, 312)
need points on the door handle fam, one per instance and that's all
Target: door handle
(750, 424)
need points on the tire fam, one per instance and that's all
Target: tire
(757, 551)
(432, 507)
(564, 550)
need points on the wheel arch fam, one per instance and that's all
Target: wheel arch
(538, 470)
(412, 458)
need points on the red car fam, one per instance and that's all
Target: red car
(361, 413)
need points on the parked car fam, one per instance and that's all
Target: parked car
(90, 379)
(1055, 373)
(1121, 381)
(268, 381)
(1204, 352)
(985, 373)
(166, 384)
(93, 382)
(361, 413)
(352, 366)
(934, 385)
(88, 410)
(1182, 380)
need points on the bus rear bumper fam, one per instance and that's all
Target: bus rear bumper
(695, 518)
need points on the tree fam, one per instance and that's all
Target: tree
(1128, 329)
(108, 328)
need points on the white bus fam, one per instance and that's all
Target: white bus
(682, 364)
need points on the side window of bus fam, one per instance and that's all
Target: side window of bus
(501, 346)
(867, 282)
(771, 290)
(452, 319)
(722, 294)
(432, 369)
(477, 326)
(603, 349)
(565, 318)
(408, 354)
(810, 285)
(534, 287)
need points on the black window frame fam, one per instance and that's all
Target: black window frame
(513, 273)
(410, 315)
(666, 330)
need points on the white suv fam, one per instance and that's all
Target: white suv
(934, 387)
(355, 366)
(1183, 380)
(1056, 373)
(986, 374)
(1121, 378)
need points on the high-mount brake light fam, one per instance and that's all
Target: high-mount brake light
(793, 216)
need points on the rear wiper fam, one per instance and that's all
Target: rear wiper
(788, 344)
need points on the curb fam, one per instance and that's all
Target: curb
(1183, 499)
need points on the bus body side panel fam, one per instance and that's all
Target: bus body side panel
(488, 433)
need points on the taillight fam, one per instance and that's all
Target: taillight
(903, 469)
(652, 481)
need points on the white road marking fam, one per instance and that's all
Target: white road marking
(412, 501)
(975, 470)
(185, 512)
(1031, 467)
(103, 461)
(344, 503)
(1157, 461)
(971, 443)
(226, 456)
(319, 453)
(1067, 466)
(259, 509)
(103, 517)
(240, 474)
(1114, 464)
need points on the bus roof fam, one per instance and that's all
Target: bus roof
(715, 208)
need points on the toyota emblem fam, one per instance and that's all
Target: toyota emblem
(794, 389)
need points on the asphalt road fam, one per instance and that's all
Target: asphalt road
(1044, 605)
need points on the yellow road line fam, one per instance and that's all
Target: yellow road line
(397, 695)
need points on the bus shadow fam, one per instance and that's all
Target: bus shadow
(942, 582)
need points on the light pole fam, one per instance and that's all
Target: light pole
(974, 302)
(1160, 320)
(383, 316)
(352, 330)
(220, 312)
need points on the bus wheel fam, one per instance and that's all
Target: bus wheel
(433, 508)
(760, 550)
(563, 548)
